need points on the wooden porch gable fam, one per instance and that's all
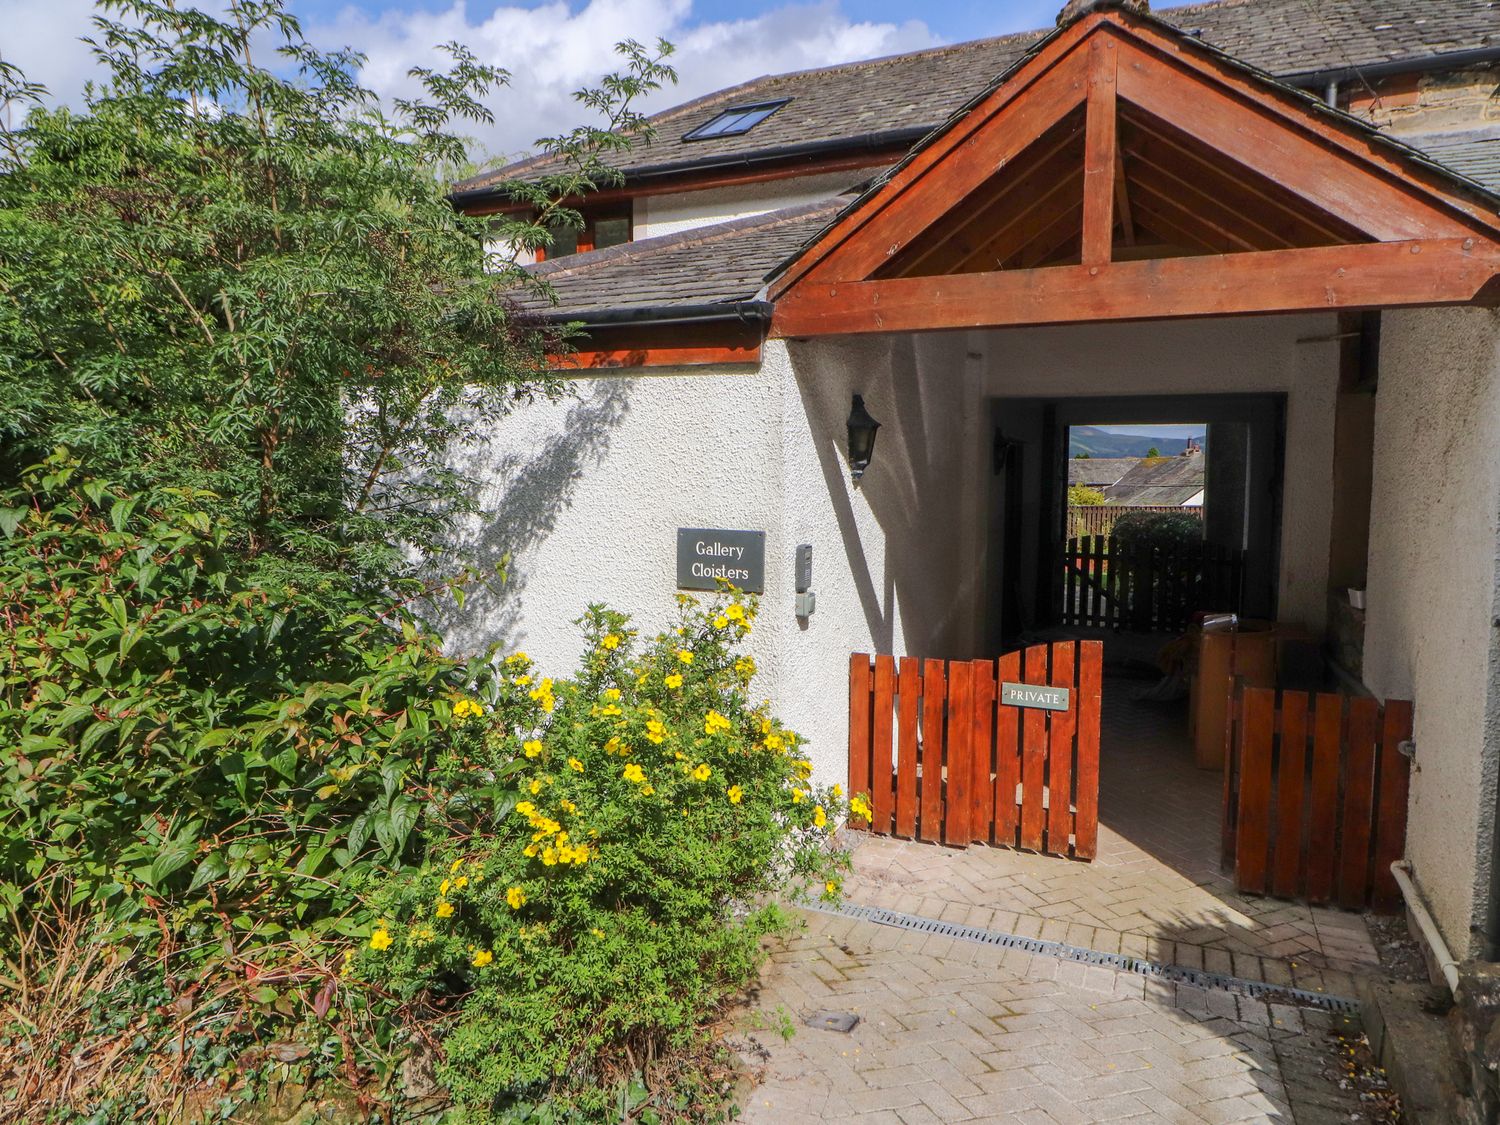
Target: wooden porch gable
(1125, 171)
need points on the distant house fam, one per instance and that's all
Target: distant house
(1100, 472)
(1158, 482)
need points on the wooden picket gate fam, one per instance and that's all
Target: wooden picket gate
(944, 760)
(1315, 790)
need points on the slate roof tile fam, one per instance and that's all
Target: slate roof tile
(1287, 38)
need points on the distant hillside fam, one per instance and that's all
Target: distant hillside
(1096, 443)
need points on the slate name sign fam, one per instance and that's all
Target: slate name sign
(706, 555)
(1034, 695)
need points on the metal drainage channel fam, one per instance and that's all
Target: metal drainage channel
(1178, 974)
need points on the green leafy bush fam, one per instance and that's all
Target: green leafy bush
(301, 839)
(1158, 529)
(595, 920)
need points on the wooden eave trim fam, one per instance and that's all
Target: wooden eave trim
(585, 362)
(691, 181)
(677, 344)
(1456, 271)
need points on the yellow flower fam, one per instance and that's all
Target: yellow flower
(702, 773)
(861, 808)
(612, 694)
(837, 790)
(744, 667)
(517, 658)
(735, 612)
(575, 765)
(443, 887)
(465, 708)
(831, 887)
(444, 909)
(820, 818)
(461, 882)
(735, 794)
(597, 932)
(610, 641)
(422, 935)
(798, 796)
(684, 656)
(804, 769)
(348, 963)
(773, 742)
(532, 747)
(647, 790)
(516, 896)
(530, 851)
(455, 865)
(380, 939)
(568, 807)
(549, 856)
(634, 773)
(482, 958)
(715, 722)
(535, 786)
(674, 681)
(522, 681)
(656, 731)
(525, 808)
(721, 622)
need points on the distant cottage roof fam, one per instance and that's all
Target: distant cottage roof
(1099, 472)
(898, 98)
(1161, 481)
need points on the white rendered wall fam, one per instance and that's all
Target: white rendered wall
(1431, 595)
(656, 215)
(589, 492)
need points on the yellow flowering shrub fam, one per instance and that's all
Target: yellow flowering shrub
(642, 821)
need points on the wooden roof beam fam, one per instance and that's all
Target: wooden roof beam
(1453, 271)
(1101, 147)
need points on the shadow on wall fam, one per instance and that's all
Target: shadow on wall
(525, 487)
(914, 487)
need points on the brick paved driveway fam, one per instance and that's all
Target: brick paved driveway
(954, 1031)
(957, 1031)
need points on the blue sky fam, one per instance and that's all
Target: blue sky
(554, 48)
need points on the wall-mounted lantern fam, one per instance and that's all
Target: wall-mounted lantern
(861, 437)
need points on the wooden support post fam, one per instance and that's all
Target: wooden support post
(1101, 146)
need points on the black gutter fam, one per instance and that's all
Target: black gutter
(743, 312)
(783, 154)
(1452, 60)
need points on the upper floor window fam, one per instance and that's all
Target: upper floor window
(601, 227)
(736, 120)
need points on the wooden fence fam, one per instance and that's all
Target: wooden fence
(1112, 584)
(944, 760)
(1315, 796)
(1099, 519)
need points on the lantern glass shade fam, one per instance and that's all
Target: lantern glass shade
(862, 429)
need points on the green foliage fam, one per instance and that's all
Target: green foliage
(172, 738)
(1081, 495)
(1153, 452)
(245, 278)
(599, 916)
(1158, 528)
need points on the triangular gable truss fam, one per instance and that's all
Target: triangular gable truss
(1124, 171)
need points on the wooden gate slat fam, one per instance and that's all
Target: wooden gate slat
(1390, 814)
(934, 692)
(1253, 835)
(909, 696)
(881, 764)
(1062, 727)
(1359, 786)
(859, 723)
(1007, 758)
(1090, 690)
(1291, 774)
(960, 769)
(981, 754)
(1033, 754)
(1328, 733)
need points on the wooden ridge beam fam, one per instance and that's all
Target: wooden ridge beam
(1454, 271)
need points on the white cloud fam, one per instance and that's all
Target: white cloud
(551, 50)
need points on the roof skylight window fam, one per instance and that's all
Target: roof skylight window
(735, 121)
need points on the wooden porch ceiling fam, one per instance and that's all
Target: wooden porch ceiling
(1127, 172)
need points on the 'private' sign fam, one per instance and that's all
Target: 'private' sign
(1034, 695)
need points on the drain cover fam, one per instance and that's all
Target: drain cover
(832, 1021)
